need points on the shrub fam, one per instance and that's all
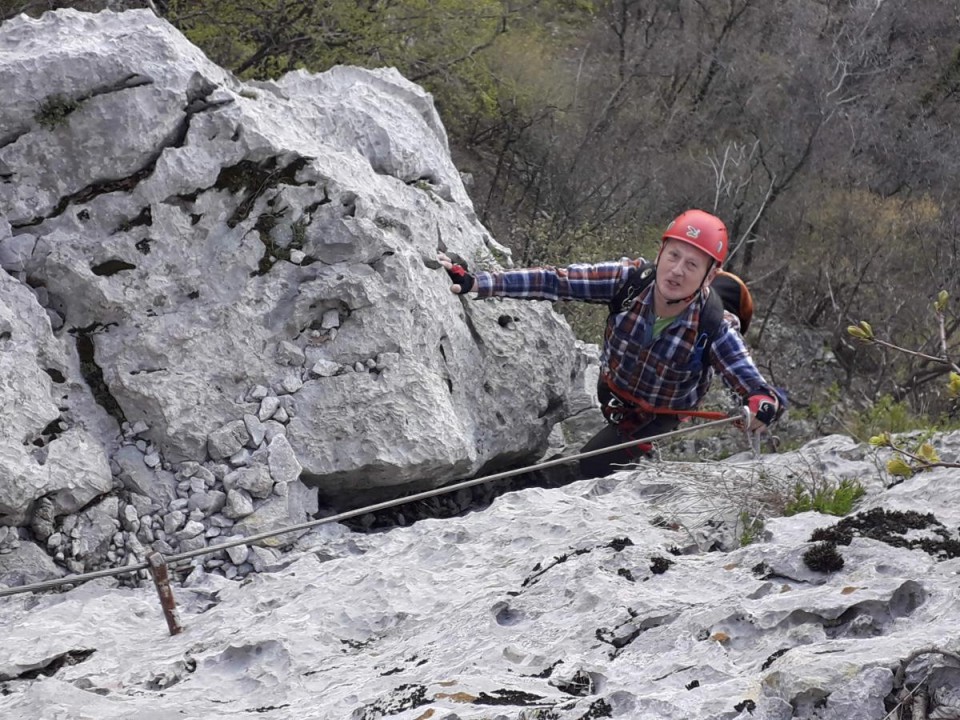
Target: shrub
(824, 497)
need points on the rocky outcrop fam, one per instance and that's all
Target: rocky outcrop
(600, 599)
(200, 271)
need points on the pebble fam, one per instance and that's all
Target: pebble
(220, 521)
(268, 406)
(162, 546)
(129, 518)
(291, 383)
(273, 428)
(240, 458)
(255, 429)
(330, 320)
(325, 368)
(190, 530)
(239, 504)
(173, 522)
(238, 554)
(194, 543)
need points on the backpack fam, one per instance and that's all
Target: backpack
(729, 293)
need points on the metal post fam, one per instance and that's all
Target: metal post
(158, 571)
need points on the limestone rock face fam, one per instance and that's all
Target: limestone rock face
(568, 603)
(192, 253)
(42, 449)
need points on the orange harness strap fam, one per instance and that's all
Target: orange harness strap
(646, 407)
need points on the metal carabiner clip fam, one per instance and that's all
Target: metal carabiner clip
(614, 404)
(753, 438)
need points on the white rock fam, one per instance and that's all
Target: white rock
(259, 392)
(331, 319)
(268, 406)
(291, 383)
(325, 368)
(239, 504)
(255, 429)
(238, 554)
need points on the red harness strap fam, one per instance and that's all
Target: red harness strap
(644, 406)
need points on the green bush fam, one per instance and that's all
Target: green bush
(886, 415)
(824, 497)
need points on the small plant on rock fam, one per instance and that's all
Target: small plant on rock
(54, 110)
(823, 557)
(751, 528)
(824, 497)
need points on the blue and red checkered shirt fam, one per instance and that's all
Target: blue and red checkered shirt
(664, 371)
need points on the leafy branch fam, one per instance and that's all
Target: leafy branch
(923, 456)
(908, 462)
(864, 332)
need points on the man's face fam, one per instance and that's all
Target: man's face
(681, 269)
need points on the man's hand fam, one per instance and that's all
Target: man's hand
(462, 280)
(764, 410)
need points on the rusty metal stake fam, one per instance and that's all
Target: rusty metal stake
(158, 571)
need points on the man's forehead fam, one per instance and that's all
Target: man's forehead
(686, 249)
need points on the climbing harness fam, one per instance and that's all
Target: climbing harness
(621, 404)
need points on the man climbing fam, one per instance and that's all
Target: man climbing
(659, 351)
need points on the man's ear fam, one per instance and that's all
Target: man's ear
(712, 274)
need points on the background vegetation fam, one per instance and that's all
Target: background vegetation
(822, 131)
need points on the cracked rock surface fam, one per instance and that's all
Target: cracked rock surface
(570, 603)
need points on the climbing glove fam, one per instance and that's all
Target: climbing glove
(764, 408)
(459, 275)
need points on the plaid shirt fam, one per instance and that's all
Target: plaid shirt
(663, 371)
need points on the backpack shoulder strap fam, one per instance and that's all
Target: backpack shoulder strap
(711, 317)
(637, 281)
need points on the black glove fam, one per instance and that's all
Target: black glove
(764, 408)
(459, 275)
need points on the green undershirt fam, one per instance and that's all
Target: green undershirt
(660, 324)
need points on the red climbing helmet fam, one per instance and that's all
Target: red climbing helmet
(702, 230)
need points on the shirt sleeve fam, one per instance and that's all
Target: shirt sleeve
(731, 359)
(590, 283)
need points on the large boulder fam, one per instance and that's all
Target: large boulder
(261, 256)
